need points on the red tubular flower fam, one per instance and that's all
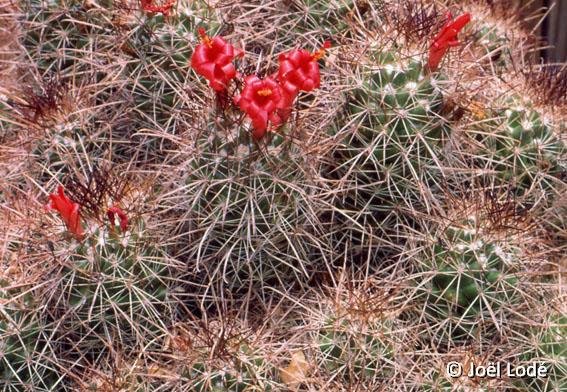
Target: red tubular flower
(299, 70)
(117, 211)
(213, 60)
(446, 38)
(148, 6)
(68, 210)
(259, 99)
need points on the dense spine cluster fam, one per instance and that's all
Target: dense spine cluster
(473, 278)
(524, 150)
(398, 131)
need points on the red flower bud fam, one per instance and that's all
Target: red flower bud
(213, 60)
(115, 210)
(260, 99)
(446, 38)
(148, 6)
(68, 210)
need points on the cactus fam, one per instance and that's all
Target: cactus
(472, 278)
(162, 48)
(240, 370)
(243, 211)
(550, 349)
(471, 269)
(59, 147)
(523, 147)
(496, 45)
(58, 32)
(391, 151)
(501, 31)
(216, 355)
(114, 285)
(246, 374)
(330, 16)
(352, 333)
(353, 355)
(26, 358)
(399, 130)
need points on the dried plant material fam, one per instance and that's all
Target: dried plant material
(297, 371)
(9, 48)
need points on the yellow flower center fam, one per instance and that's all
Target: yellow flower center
(205, 38)
(265, 92)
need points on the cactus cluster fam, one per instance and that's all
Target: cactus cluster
(473, 277)
(524, 148)
(263, 195)
(398, 131)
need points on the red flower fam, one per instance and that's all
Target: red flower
(68, 210)
(148, 6)
(213, 60)
(115, 210)
(299, 70)
(446, 38)
(259, 99)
